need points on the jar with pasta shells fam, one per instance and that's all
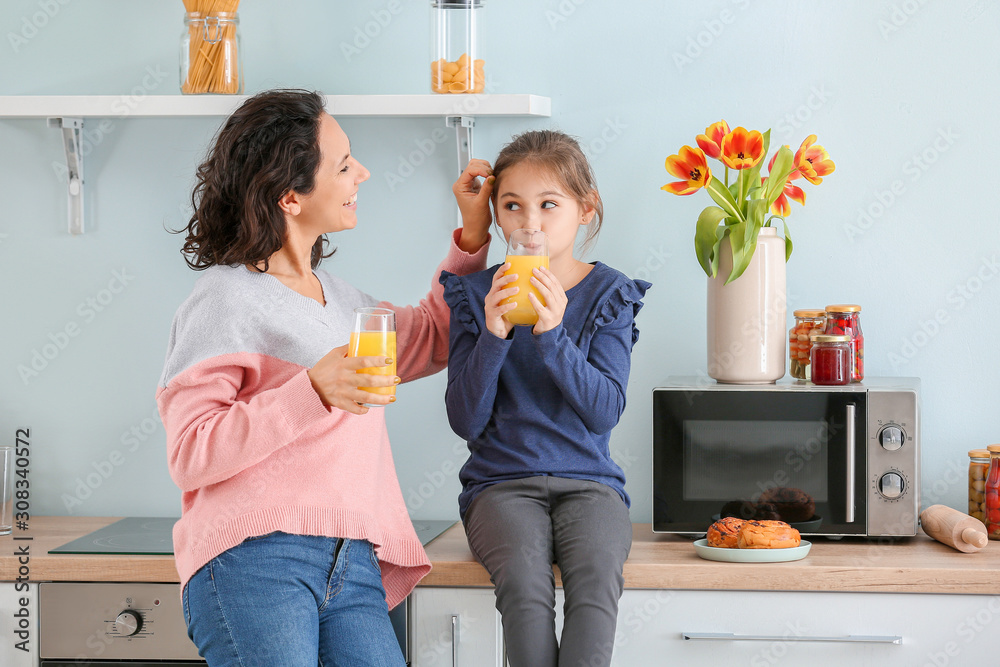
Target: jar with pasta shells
(211, 55)
(457, 64)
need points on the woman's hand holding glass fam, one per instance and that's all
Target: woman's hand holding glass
(335, 379)
(550, 313)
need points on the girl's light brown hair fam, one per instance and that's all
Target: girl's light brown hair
(560, 154)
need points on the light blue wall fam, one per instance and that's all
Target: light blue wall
(902, 91)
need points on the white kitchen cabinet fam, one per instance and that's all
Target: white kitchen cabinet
(15, 618)
(455, 627)
(767, 628)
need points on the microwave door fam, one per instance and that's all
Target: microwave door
(794, 456)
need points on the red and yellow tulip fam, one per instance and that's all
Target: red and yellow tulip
(711, 141)
(813, 162)
(741, 149)
(781, 207)
(691, 167)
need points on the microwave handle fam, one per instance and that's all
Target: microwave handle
(851, 464)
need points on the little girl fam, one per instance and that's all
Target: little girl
(537, 405)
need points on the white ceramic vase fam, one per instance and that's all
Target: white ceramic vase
(746, 318)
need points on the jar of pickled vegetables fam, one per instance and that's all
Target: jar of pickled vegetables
(979, 465)
(807, 322)
(831, 359)
(211, 57)
(845, 320)
(993, 494)
(456, 47)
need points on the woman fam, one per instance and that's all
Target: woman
(294, 540)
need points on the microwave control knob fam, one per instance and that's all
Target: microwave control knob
(891, 485)
(128, 623)
(891, 438)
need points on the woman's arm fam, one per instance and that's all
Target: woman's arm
(212, 436)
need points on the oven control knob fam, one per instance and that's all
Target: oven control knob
(128, 623)
(891, 438)
(891, 485)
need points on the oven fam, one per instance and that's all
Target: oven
(836, 461)
(121, 624)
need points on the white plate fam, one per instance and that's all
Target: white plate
(751, 555)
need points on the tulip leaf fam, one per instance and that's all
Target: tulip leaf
(744, 255)
(783, 166)
(724, 198)
(706, 240)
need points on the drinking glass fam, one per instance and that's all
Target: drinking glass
(526, 249)
(374, 335)
(6, 490)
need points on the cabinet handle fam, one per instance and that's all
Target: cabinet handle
(454, 640)
(855, 639)
(851, 441)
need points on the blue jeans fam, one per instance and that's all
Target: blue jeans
(284, 600)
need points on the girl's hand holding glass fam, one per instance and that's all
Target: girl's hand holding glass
(496, 306)
(550, 313)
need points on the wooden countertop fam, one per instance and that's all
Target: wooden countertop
(916, 565)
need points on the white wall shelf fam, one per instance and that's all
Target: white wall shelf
(160, 106)
(69, 113)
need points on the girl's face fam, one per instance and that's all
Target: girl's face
(532, 197)
(332, 205)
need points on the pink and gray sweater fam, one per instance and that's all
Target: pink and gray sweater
(249, 442)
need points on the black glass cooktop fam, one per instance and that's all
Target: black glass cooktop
(153, 536)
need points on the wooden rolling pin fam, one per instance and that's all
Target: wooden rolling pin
(951, 527)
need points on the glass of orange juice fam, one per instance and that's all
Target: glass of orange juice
(374, 335)
(526, 249)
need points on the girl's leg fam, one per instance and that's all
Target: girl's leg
(510, 533)
(354, 625)
(592, 538)
(256, 604)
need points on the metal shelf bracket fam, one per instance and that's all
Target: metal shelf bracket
(72, 129)
(463, 137)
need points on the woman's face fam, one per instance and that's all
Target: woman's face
(333, 203)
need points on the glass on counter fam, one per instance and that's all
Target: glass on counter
(845, 320)
(993, 494)
(831, 357)
(979, 466)
(807, 322)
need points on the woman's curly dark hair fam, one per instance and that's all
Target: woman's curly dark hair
(268, 147)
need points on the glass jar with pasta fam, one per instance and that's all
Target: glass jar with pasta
(211, 56)
(457, 64)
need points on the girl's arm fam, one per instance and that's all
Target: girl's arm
(594, 385)
(473, 372)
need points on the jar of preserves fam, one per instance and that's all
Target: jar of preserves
(211, 57)
(807, 322)
(831, 359)
(456, 47)
(979, 465)
(845, 320)
(993, 494)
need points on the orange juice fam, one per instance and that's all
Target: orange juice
(375, 344)
(522, 265)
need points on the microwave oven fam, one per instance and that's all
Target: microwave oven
(848, 456)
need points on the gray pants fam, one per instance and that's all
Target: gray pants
(517, 529)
